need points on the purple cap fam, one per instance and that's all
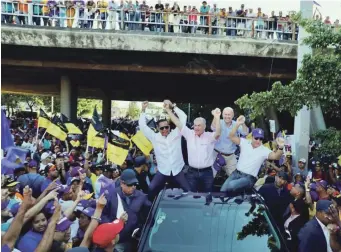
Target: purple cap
(314, 196)
(322, 183)
(49, 207)
(219, 162)
(33, 164)
(74, 171)
(259, 133)
(63, 224)
(89, 211)
(63, 190)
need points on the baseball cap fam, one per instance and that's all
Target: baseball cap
(11, 182)
(44, 156)
(33, 164)
(63, 224)
(283, 175)
(74, 171)
(302, 160)
(89, 211)
(322, 183)
(105, 233)
(128, 177)
(259, 133)
(140, 160)
(323, 205)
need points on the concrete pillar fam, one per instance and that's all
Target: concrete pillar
(106, 111)
(68, 98)
(302, 119)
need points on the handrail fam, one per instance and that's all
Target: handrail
(76, 16)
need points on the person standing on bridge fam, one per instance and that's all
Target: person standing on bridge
(168, 152)
(225, 146)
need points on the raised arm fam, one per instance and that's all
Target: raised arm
(233, 136)
(181, 115)
(46, 242)
(276, 155)
(14, 230)
(179, 124)
(148, 132)
(216, 118)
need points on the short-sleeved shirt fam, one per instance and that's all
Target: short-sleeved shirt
(30, 241)
(224, 143)
(200, 148)
(251, 159)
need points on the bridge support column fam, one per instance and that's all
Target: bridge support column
(106, 111)
(68, 98)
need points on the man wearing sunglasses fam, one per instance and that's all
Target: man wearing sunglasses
(252, 155)
(168, 151)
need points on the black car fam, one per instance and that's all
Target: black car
(201, 222)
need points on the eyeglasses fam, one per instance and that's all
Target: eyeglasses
(164, 128)
(130, 185)
(259, 138)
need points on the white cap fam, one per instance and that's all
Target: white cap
(302, 160)
(44, 156)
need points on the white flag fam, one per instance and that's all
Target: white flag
(120, 209)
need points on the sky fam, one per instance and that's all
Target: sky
(330, 8)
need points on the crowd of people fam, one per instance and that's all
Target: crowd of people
(64, 196)
(129, 15)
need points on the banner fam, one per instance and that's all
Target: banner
(142, 143)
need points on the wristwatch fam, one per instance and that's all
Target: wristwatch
(95, 218)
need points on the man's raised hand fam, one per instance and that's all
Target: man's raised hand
(144, 105)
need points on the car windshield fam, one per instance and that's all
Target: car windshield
(214, 228)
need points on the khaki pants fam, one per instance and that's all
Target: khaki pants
(231, 164)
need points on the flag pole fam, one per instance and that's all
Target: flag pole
(42, 137)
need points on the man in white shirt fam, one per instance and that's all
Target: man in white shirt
(252, 155)
(168, 151)
(200, 147)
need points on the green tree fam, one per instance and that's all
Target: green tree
(10, 101)
(32, 101)
(133, 110)
(318, 81)
(85, 107)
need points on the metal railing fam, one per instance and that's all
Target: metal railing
(130, 18)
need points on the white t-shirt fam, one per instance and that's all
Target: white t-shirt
(251, 159)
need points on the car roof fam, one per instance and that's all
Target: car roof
(249, 197)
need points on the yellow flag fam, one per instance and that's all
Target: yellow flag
(56, 131)
(75, 143)
(142, 143)
(43, 120)
(124, 136)
(116, 154)
(249, 136)
(73, 129)
(93, 140)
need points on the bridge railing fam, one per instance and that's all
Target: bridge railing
(78, 16)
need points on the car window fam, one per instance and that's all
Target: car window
(213, 228)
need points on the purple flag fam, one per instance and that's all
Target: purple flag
(6, 137)
(16, 155)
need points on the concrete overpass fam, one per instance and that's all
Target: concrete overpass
(138, 66)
